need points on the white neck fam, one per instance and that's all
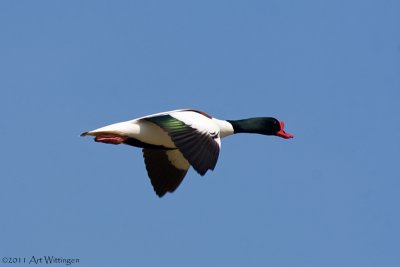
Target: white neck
(225, 127)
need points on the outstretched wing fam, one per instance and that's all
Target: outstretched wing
(166, 169)
(199, 143)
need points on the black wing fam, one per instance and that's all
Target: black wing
(166, 169)
(200, 148)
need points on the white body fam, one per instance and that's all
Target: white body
(150, 133)
(173, 141)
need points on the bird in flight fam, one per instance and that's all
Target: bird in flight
(175, 140)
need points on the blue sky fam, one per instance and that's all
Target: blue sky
(329, 69)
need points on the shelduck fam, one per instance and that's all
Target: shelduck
(175, 140)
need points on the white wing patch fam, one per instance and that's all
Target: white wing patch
(196, 137)
(177, 159)
(197, 121)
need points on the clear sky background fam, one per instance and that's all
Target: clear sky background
(329, 69)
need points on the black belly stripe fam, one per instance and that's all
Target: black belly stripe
(137, 143)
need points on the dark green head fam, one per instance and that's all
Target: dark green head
(260, 125)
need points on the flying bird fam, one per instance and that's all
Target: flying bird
(175, 140)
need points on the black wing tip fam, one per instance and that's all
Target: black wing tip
(159, 194)
(164, 177)
(202, 172)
